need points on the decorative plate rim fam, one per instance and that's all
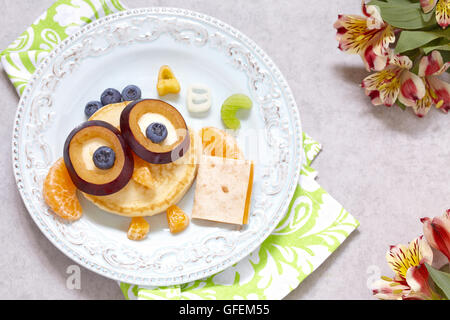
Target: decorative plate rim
(221, 26)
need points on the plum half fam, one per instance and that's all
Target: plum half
(79, 148)
(135, 119)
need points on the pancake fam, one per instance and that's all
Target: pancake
(154, 187)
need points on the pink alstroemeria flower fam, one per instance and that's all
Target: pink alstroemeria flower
(442, 10)
(368, 35)
(437, 91)
(437, 232)
(395, 81)
(411, 275)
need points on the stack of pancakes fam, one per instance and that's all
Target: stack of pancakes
(169, 182)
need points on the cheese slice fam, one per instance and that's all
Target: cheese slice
(223, 190)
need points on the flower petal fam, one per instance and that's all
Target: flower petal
(443, 13)
(400, 61)
(428, 5)
(441, 93)
(374, 20)
(400, 257)
(386, 83)
(382, 40)
(397, 259)
(373, 61)
(389, 290)
(433, 64)
(437, 233)
(367, 36)
(425, 252)
(351, 33)
(412, 89)
(423, 105)
(428, 231)
(417, 279)
(374, 97)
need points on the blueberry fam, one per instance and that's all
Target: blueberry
(131, 92)
(104, 158)
(110, 95)
(156, 132)
(91, 107)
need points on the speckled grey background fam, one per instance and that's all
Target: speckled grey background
(386, 166)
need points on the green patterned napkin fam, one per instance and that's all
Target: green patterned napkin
(314, 226)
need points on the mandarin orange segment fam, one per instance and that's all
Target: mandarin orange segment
(178, 220)
(142, 174)
(138, 228)
(218, 143)
(60, 193)
(143, 177)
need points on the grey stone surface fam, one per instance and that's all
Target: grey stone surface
(386, 166)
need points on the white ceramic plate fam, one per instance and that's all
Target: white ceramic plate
(128, 48)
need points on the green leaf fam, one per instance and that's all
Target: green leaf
(441, 47)
(410, 40)
(445, 268)
(428, 16)
(445, 55)
(402, 1)
(441, 279)
(405, 15)
(441, 44)
(413, 54)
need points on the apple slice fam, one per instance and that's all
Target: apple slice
(139, 115)
(79, 149)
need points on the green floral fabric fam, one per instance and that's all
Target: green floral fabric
(314, 226)
(62, 19)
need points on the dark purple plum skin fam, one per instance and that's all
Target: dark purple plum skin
(100, 189)
(140, 150)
